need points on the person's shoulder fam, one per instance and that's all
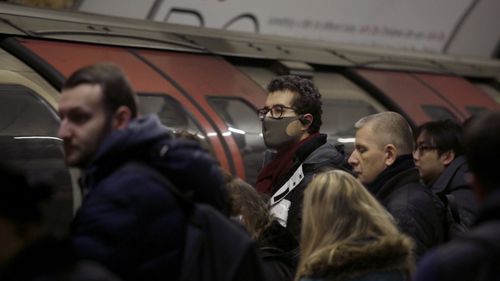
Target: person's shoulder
(460, 258)
(133, 180)
(327, 155)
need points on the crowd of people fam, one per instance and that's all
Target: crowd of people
(399, 207)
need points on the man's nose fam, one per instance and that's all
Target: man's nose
(353, 161)
(64, 130)
(416, 156)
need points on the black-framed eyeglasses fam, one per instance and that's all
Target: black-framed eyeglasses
(421, 148)
(276, 110)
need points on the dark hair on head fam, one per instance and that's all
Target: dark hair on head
(482, 148)
(308, 98)
(246, 201)
(444, 134)
(113, 82)
(20, 201)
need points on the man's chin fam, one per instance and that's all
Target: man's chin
(74, 162)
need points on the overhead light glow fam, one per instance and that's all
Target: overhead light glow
(226, 134)
(38, 137)
(212, 134)
(346, 140)
(237, 131)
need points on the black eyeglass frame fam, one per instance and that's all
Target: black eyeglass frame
(262, 112)
(421, 148)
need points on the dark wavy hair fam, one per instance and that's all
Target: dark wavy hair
(115, 87)
(308, 98)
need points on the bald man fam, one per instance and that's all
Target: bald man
(382, 160)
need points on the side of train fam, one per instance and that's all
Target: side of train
(210, 83)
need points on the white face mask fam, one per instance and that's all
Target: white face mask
(276, 132)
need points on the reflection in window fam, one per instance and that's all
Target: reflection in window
(27, 141)
(436, 112)
(24, 113)
(245, 127)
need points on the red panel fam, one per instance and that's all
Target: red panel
(460, 92)
(204, 76)
(68, 57)
(405, 91)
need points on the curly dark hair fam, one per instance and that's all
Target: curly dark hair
(308, 99)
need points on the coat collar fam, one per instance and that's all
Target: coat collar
(359, 257)
(445, 179)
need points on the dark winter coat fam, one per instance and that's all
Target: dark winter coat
(52, 259)
(452, 182)
(279, 252)
(128, 220)
(417, 211)
(387, 259)
(314, 155)
(473, 257)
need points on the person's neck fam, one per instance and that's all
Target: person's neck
(402, 163)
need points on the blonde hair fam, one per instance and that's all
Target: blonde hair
(338, 210)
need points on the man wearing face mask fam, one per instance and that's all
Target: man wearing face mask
(291, 119)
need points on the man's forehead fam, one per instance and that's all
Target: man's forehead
(366, 136)
(284, 97)
(84, 95)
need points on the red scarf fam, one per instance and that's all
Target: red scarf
(275, 170)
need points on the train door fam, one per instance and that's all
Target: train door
(404, 94)
(467, 98)
(225, 96)
(426, 97)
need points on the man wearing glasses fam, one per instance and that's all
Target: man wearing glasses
(442, 167)
(382, 160)
(291, 119)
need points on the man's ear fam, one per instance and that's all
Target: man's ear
(390, 154)
(121, 117)
(306, 121)
(447, 157)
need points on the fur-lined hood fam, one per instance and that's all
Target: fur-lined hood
(356, 258)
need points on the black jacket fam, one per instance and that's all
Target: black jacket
(452, 182)
(314, 155)
(475, 256)
(417, 211)
(129, 221)
(279, 252)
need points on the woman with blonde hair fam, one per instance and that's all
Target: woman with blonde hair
(348, 235)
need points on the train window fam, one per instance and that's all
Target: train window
(245, 127)
(171, 114)
(476, 110)
(339, 116)
(27, 141)
(24, 113)
(436, 112)
(493, 89)
(344, 103)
